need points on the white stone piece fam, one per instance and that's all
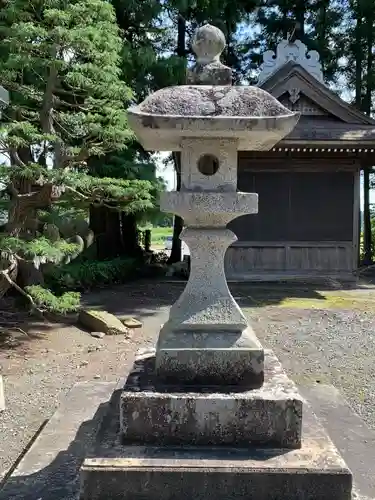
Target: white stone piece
(4, 98)
(2, 396)
(287, 51)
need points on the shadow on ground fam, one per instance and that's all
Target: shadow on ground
(60, 479)
(143, 299)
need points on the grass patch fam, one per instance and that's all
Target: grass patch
(329, 300)
(159, 235)
(321, 300)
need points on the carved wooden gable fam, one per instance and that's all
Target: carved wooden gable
(296, 101)
(294, 75)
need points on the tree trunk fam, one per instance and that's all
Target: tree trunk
(358, 61)
(176, 253)
(97, 225)
(366, 107)
(23, 206)
(130, 243)
(178, 222)
(285, 24)
(300, 13)
(113, 233)
(370, 58)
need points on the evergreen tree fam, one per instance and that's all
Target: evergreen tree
(60, 61)
(317, 23)
(359, 43)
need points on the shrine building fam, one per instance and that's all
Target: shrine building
(308, 223)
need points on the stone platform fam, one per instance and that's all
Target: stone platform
(155, 414)
(50, 467)
(314, 472)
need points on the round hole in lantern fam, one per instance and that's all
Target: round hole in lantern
(208, 164)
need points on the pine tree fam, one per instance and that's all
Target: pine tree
(61, 62)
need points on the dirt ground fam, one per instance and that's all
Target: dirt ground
(326, 336)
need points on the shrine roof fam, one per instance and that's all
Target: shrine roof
(312, 130)
(294, 76)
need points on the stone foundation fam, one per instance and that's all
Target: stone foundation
(314, 472)
(269, 416)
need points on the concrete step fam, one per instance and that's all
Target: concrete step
(49, 469)
(352, 437)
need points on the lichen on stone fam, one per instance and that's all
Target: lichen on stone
(213, 100)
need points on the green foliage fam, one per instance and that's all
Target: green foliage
(87, 274)
(61, 63)
(39, 247)
(131, 196)
(45, 300)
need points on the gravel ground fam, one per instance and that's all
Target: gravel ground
(38, 372)
(327, 346)
(320, 346)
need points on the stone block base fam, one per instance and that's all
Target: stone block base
(315, 472)
(211, 358)
(270, 416)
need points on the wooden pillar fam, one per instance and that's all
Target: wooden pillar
(367, 243)
(356, 218)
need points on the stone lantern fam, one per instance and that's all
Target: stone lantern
(207, 339)
(210, 414)
(4, 101)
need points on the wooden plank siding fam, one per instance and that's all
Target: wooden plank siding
(307, 220)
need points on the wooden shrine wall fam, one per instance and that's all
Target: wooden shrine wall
(307, 221)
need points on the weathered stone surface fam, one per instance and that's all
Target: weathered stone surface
(213, 100)
(215, 210)
(152, 413)
(2, 396)
(50, 467)
(314, 472)
(208, 44)
(210, 358)
(202, 478)
(163, 132)
(207, 338)
(101, 321)
(211, 107)
(131, 322)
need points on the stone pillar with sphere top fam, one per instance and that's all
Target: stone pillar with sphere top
(210, 413)
(4, 101)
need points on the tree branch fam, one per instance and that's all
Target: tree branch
(12, 283)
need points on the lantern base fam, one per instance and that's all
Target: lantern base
(210, 358)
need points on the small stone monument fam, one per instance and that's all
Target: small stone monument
(2, 396)
(210, 414)
(4, 101)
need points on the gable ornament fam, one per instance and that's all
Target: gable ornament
(287, 51)
(294, 94)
